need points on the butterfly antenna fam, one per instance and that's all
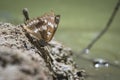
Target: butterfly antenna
(26, 14)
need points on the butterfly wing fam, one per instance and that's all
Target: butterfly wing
(43, 28)
(50, 26)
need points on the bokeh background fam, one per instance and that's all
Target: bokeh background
(81, 21)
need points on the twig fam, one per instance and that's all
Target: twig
(86, 50)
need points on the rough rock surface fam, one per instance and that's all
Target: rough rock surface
(23, 60)
(18, 58)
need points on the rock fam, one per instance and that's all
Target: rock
(18, 58)
(24, 59)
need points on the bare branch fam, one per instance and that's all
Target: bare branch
(86, 50)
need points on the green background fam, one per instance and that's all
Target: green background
(81, 21)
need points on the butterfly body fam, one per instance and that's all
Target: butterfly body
(42, 28)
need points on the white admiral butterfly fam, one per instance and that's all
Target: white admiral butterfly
(42, 28)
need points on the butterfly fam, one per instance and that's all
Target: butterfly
(42, 28)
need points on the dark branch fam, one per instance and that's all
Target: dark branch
(86, 50)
